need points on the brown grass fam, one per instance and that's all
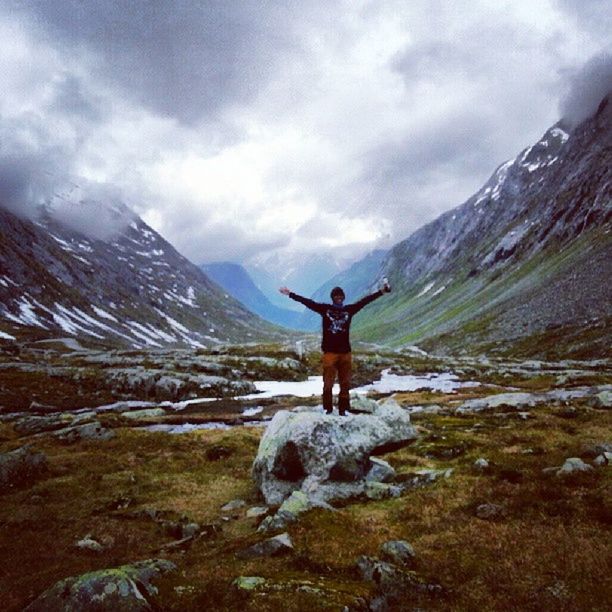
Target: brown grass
(549, 551)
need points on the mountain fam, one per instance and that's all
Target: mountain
(133, 289)
(301, 273)
(523, 266)
(237, 282)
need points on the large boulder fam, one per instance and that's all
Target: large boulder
(326, 456)
(127, 588)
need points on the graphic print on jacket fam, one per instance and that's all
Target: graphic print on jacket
(338, 320)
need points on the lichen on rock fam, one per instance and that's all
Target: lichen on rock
(326, 457)
(127, 588)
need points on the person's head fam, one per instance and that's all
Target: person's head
(337, 295)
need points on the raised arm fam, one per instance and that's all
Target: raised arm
(318, 308)
(364, 301)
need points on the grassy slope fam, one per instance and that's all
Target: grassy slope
(463, 313)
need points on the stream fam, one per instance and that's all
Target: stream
(444, 382)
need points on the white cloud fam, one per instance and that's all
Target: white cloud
(302, 127)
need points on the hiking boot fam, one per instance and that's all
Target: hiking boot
(344, 406)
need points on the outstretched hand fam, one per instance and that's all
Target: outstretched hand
(284, 290)
(385, 287)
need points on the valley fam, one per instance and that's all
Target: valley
(487, 513)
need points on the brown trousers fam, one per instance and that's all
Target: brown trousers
(340, 363)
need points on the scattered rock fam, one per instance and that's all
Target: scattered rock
(273, 547)
(234, 505)
(395, 585)
(573, 465)
(29, 425)
(381, 490)
(248, 583)
(603, 459)
(145, 413)
(421, 478)
(481, 464)
(380, 471)
(89, 544)
(88, 431)
(297, 503)
(501, 400)
(190, 530)
(428, 409)
(593, 450)
(521, 400)
(363, 405)
(39, 407)
(558, 590)
(123, 589)
(326, 457)
(490, 511)
(21, 466)
(399, 552)
(602, 399)
(257, 511)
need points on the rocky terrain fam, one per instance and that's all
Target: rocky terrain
(493, 494)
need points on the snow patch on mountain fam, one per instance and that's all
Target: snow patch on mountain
(426, 289)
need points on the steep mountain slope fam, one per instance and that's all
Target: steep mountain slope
(237, 282)
(523, 265)
(132, 290)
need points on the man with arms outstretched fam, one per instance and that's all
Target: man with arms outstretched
(336, 347)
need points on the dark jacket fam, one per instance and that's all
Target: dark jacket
(336, 320)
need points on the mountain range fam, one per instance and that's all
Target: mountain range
(522, 267)
(235, 279)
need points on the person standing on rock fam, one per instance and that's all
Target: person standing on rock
(337, 358)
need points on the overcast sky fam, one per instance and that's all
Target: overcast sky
(240, 129)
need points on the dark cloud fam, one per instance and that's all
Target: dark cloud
(593, 16)
(72, 100)
(37, 169)
(23, 187)
(412, 176)
(93, 209)
(184, 59)
(375, 115)
(586, 89)
(32, 165)
(205, 240)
